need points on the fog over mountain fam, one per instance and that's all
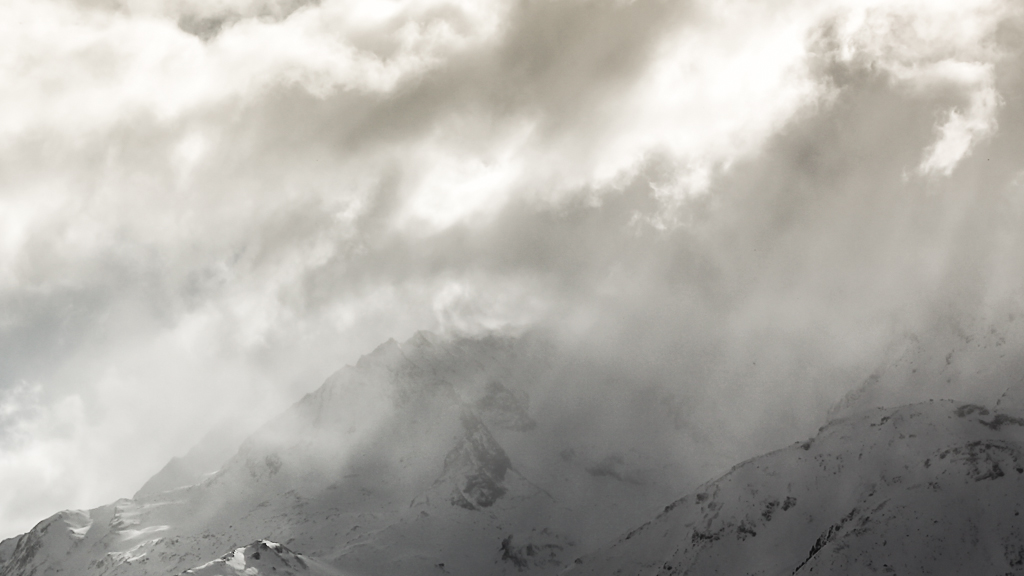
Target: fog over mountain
(720, 223)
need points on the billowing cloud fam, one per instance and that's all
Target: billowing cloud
(206, 207)
(946, 46)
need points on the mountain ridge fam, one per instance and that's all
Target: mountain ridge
(434, 456)
(415, 449)
(831, 504)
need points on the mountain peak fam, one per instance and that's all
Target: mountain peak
(262, 557)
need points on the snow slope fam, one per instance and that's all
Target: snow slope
(971, 359)
(929, 488)
(203, 460)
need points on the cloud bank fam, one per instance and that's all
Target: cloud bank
(206, 207)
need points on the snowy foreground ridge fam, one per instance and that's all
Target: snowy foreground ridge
(262, 557)
(457, 472)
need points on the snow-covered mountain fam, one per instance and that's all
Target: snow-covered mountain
(491, 455)
(920, 470)
(426, 457)
(929, 488)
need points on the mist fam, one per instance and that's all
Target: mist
(208, 208)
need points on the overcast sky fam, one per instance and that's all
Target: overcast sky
(207, 206)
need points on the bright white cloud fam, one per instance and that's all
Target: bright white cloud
(961, 131)
(717, 89)
(930, 46)
(70, 69)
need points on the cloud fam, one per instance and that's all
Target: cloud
(78, 70)
(960, 133)
(38, 442)
(928, 49)
(209, 201)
